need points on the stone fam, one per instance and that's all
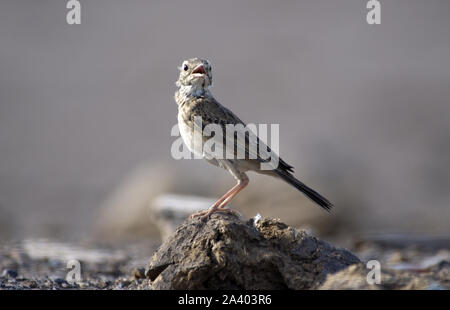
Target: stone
(225, 252)
(355, 278)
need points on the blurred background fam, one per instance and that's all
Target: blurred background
(86, 112)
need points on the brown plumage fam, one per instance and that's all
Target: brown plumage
(195, 101)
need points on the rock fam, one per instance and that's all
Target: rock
(9, 273)
(137, 273)
(355, 278)
(351, 278)
(225, 252)
(59, 281)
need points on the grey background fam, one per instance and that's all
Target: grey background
(363, 110)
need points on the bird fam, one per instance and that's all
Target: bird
(196, 102)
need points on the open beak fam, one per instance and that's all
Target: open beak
(199, 70)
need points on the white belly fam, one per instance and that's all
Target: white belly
(187, 134)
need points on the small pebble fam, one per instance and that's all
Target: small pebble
(9, 273)
(83, 284)
(59, 281)
(138, 273)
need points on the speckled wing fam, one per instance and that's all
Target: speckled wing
(247, 145)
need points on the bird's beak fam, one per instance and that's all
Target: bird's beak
(199, 69)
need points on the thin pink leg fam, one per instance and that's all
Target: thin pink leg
(219, 205)
(241, 186)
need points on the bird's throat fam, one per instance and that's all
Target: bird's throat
(186, 92)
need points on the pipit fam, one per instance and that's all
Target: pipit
(195, 102)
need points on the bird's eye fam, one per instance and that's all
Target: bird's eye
(185, 68)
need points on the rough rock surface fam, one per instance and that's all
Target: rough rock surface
(42, 264)
(355, 278)
(228, 253)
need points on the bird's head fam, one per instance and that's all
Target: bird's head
(195, 72)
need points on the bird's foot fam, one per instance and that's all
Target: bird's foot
(198, 214)
(206, 213)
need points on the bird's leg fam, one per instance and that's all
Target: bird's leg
(220, 207)
(220, 204)
(216, 204)
(242, 183)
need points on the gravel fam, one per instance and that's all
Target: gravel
(43, 264)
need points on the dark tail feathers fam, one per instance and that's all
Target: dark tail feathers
(309, 192)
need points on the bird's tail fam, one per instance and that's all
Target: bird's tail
(309, 192)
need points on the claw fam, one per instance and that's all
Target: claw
(219, 206)
(206, 213)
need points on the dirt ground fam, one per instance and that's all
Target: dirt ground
(43, 264)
